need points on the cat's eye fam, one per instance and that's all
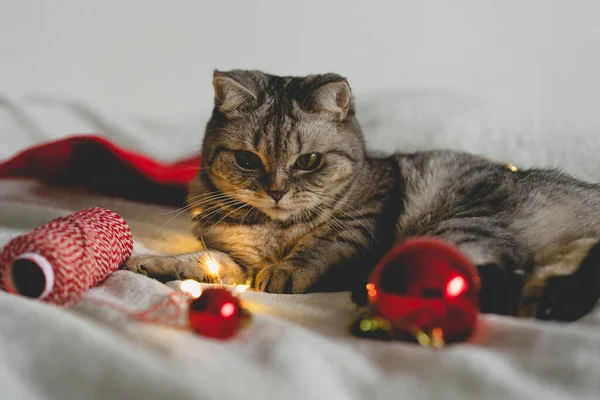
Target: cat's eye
(247, 160)
(309, 162)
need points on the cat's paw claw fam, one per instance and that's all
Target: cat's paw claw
(137, 264)
(274, 280)
(142, 269)
(284, 279)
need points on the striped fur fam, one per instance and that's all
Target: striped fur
(331, 225)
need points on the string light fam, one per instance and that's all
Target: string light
(239, 289)
(437, 337)
(368, 324)
(191, 287)
(213, 266)
(371, 291)
(215, 312)
(212, 312)
(511, 167)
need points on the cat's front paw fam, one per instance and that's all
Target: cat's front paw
(167, 268)
(285, 278)
(195, 266)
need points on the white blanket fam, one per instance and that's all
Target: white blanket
(297, 346)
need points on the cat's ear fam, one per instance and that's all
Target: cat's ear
(230, 94)
(332, 97)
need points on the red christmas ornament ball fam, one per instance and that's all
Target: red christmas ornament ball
(217, 313)
(429, 284)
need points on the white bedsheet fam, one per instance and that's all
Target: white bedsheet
(298, 345)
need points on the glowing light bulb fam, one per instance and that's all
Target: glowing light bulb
(422, 338)
(371, 291)
(437, 337)
(365, 325)
(191, 287)
(241, 288)
(212, 265)
(512, 167)
(456, 286)
(227, 310)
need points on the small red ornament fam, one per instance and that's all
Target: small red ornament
(421, 287)
(217, 313)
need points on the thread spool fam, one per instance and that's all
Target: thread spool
(30, 275)
(59, 261)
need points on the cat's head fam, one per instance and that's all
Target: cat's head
(284, 145)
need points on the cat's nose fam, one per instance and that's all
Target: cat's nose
(276, 194)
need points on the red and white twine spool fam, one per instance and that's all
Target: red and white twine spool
(59, 261)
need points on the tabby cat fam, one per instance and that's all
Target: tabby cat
(289, 200)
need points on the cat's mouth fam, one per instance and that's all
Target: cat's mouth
(278, 213)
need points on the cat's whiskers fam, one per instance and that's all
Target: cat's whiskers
(306, 214)
(215, 192)
(187, 206)
(330, 223)
(228, 195)
(246, 215)
(355, 237)
(222, 219)
(368, 229)
(201, 197)
(196, 204)
(214, 209)
(341, 202)
(329, 220)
